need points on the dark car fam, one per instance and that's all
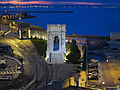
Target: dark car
(95, 71)
(93, 67)
(119, 78)
(93, 78)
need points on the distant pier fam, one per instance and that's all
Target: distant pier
(7, 16)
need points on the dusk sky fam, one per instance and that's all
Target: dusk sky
(84, 21)
(86, 2)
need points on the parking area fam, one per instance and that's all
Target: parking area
(93, 73)
(114, 68)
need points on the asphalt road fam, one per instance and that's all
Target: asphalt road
(34, 66)
(108, 76)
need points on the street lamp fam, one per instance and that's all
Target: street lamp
(107, 60)
(46, 77)
(103, 83)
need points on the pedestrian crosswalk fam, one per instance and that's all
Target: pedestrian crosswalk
(10, 72)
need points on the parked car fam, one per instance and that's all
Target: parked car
(95, 71)
(119, 78)
(94, 60)
(93, 78)
(93, 67)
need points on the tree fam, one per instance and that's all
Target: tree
(74, 56)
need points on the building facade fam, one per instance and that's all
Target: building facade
(92, 42)
(115, 36)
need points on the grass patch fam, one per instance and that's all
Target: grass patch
(41, 46)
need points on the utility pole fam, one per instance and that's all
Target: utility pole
(36, 77)
(18, 9)
(19, 31)
(56, 78)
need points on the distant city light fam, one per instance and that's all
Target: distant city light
(5, 10)
(107, 60)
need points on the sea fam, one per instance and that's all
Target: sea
(82, 21)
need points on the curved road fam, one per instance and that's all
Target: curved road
(34, 66)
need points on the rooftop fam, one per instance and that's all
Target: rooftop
(74, 35)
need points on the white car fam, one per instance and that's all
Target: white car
(94, 60)
(52, 82)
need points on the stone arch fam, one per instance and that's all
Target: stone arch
(23, 30)
(56, 49)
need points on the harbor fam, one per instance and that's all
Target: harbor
(8, 16)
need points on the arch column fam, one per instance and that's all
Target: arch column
(28, 33)
(20, 34)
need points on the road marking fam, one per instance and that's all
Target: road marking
(11, 72)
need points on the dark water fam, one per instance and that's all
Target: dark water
(84, 21)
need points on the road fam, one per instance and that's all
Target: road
(108, 76)
(32, 59)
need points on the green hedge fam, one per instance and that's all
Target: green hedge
(41, 46)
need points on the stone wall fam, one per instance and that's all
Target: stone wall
(38, 32)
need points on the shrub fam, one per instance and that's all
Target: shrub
(41, 46)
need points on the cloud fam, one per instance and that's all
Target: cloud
(48, 2)
(81, 3)
(29, 2)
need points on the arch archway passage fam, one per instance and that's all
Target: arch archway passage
(56, 43)
(24, 30)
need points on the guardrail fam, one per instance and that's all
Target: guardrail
(12, 58)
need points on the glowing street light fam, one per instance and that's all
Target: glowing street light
(107, 60)
(103, 83)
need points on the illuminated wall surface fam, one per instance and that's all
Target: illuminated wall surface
(83, 79)
(71, 81)
(38, 32)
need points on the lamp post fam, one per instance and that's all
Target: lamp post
(36, 77)
(18, 9)
(103, 83)
(46, 77)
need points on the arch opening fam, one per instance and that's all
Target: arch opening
(56, 43)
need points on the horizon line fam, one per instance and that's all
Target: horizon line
(49, 3)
